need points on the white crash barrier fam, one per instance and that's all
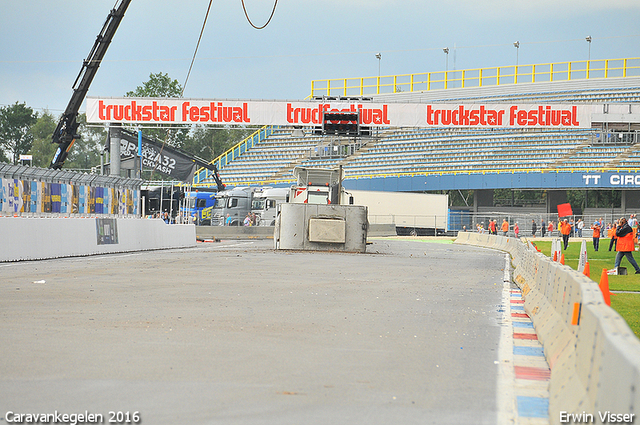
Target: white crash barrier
(593, 354)
(42, 238)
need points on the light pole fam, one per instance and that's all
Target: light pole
(588, 38)
(516, 44)
(446, 68)
(446, 52)
(378, 56)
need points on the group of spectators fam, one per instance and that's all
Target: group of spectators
(169, 219)
(567, 228)
(251, 219)
(622, 234)
(492, 228)
(164, 216)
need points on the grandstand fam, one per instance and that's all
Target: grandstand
(427, 155)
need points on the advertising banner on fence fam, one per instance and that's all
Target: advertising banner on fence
(309, 113)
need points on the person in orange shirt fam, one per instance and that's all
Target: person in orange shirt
(625, 246)
(565, 230)
(505, 227)
(596, 235)
(612, 235)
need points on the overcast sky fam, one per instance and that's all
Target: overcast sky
(44, 42)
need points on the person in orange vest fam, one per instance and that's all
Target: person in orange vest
(625, 246)
(505, 227)
(596, 235)
(565, 230)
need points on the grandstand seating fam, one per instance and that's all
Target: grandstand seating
(433, 151)
(395, 151)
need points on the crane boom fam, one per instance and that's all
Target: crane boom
(66, 131)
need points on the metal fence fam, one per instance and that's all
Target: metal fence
(481, 77)
(41, 192)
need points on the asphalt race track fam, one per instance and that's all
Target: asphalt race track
(237, 333)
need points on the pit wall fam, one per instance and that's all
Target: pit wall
(43, 238)
(593, 354)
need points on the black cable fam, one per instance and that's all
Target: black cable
(206, 16)
(249, 19)
(184, 86)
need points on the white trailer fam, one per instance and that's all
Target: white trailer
(412, 213)
(265, 204)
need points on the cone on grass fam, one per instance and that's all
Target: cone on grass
(555, 255)
(586, 270)
(562, 259)
(604, 287)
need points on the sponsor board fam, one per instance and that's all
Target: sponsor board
(612, 180)
(308, 113)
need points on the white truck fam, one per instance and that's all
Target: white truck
(265, 203)
(233, 205)
(412, 213)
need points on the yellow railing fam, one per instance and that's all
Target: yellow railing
(202, 174)
(493, 171)
(264, 182)
(482, 77)
(449, 172)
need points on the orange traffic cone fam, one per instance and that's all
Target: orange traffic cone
(604, 287)
(586, 270)
(562, 260)
(555, 255)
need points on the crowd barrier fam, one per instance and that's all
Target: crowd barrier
(44, 238)
(593, 354)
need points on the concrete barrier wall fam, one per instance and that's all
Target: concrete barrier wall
(593, 354)
(266, 232)
(42, 238)
(234, 232)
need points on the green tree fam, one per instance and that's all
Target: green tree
(15, 130)
(158, 85)
(161, 85)
(42, 149)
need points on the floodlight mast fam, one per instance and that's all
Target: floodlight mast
(66, 131)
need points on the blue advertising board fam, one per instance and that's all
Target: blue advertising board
(472, 181)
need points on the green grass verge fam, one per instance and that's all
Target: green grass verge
(627, 305)
(603, 259)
